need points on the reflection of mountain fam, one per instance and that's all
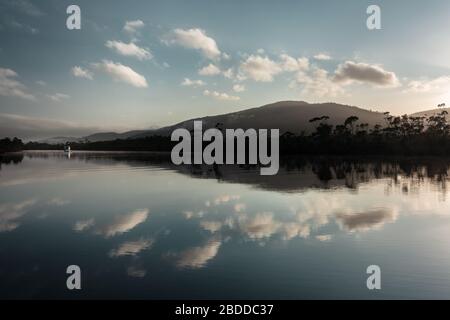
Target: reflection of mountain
(295, 174)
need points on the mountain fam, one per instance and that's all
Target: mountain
(60, 140)
(107, 136)
(290, 116)
(432, 112)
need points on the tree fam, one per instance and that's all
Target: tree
(350, 122)
(437, 124)
(8, 145)
(323, 129)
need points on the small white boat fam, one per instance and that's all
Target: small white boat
(67, 149)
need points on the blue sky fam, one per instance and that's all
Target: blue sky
(152, 73)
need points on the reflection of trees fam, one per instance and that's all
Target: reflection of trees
(10, 158)
(296, 173)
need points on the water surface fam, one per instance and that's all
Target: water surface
(140, 227)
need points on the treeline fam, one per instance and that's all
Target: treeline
(403, 135)
(11, 145)
(152, 143)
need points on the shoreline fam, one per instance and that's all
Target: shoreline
(285, 156)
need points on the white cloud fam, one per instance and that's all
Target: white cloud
(229, 73)
(82, 73)
(291, 64)
(238, 88)
(10, 87)
(220, 95)
(437, 85)
(129, 49)
(57, 97)
(350, 71)
(122, 73)
(322, 57)
(263, 69)
(226, 56)
(260, 68)
(192, 83)
(133, 26)
(209, 70)
(318, 84)
(195, 39)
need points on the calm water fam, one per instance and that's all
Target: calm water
(141, 228)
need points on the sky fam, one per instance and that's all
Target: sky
(143, 64)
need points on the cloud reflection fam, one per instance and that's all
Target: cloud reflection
(131, 248)
(301, 220)
(10, 213)
(136, 272)
(364, 221)
(125, 223)
(83, 225)
(59, 202)
(197, 257)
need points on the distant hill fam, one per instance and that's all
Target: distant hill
(107, 136)
(432, 112)
(290, 116)
(60, 140)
